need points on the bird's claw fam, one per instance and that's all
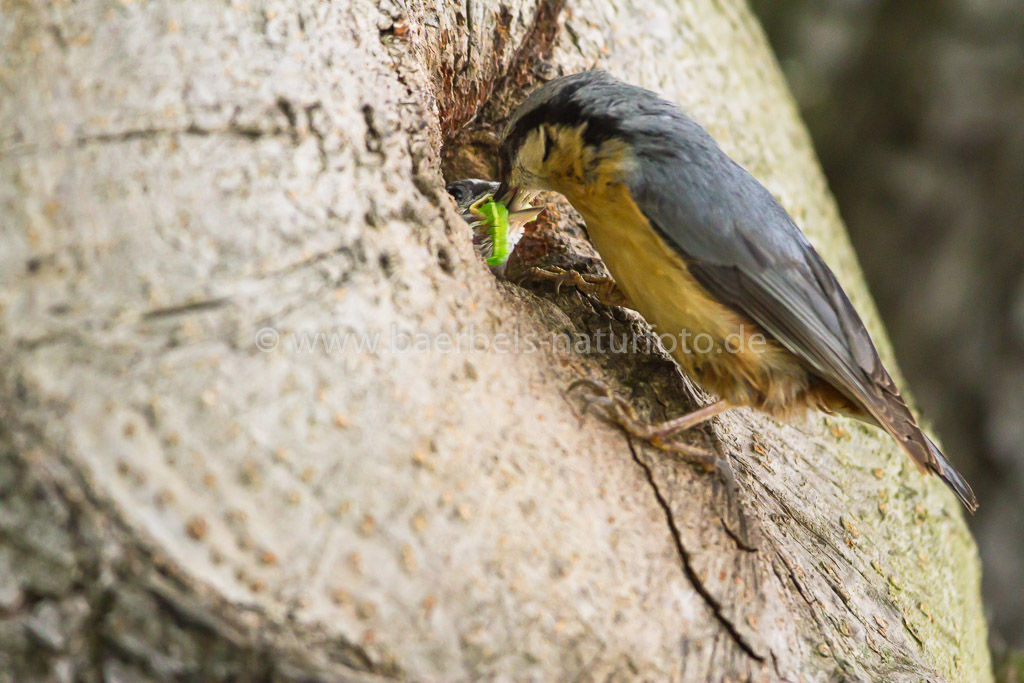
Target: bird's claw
(618, 411)
(602, 288)
(597, 387)
(615, 408)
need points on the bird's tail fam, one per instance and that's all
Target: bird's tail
(947, 473)
(898, 421)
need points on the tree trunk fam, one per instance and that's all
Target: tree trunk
(194, 486)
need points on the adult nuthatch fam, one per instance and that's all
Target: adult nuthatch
(702, 249)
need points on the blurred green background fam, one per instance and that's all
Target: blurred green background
(917, 113)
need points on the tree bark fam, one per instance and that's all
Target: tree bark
(189, 492)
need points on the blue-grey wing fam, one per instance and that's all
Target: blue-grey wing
(742, 246)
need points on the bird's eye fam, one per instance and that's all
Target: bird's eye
(458, 192)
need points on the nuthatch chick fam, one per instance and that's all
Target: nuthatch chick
(471, 196)
(702, 249)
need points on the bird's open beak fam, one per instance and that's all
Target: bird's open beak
(515, 198)
(520, 211)
(524, 216)
(518, 202)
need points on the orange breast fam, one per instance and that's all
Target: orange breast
(721, 349)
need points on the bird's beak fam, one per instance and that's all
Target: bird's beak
(505, 193)
(524, 216)
(517, 201)
(515, 198)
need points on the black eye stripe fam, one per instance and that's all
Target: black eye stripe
(549, 143)
(562, 108)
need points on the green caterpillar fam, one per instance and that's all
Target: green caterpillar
(495, 218)
(497, 228)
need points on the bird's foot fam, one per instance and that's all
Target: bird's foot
(618, 411)
(602, 288)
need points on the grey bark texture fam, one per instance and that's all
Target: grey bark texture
(185, 185)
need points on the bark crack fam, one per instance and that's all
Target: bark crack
(186, 309)
(685, 558)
